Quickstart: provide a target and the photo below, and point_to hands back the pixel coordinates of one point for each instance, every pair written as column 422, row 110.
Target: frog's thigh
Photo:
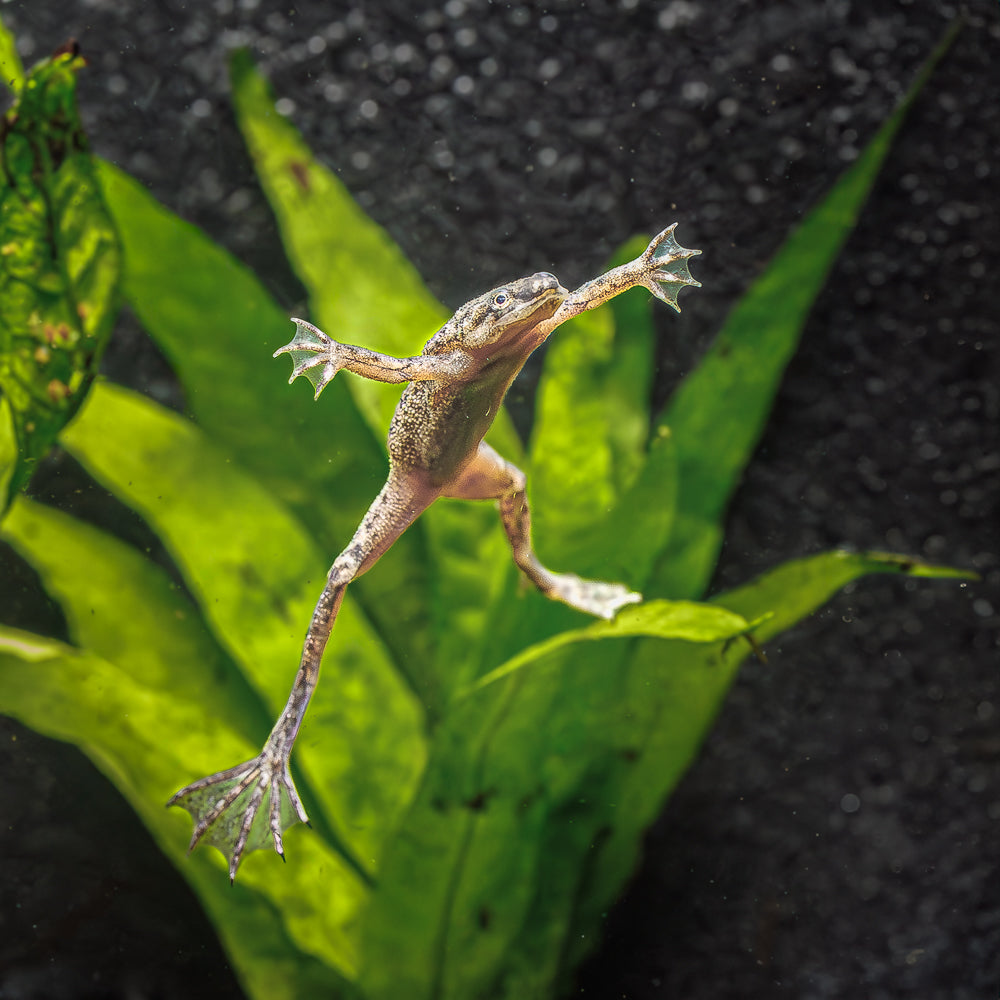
column 490, row 477
column 487, row 477
column 402, row 500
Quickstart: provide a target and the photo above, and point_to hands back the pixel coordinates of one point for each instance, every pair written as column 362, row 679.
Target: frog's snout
column 543, row 281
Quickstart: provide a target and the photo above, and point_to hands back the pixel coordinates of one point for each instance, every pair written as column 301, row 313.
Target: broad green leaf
column 11, row 70
column 464, row 867
column 218, row 327
column 685, row 620
column 256, row 576
column 511, row 792
column 625, row 544
column 124, row 608
column 121, row 605
column 362, row 288
column 59, row 265
column 718, row 412
column 285, row 940
column 519, row 786
column 470, row 577
column 622, row 548
column 537, row 792
column 682, row 689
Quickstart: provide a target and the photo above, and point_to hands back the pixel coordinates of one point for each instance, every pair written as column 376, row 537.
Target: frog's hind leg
column 249, row 806
column 490, row 477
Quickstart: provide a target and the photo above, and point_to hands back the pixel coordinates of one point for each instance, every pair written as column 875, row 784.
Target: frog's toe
column 243, row 809
column 319, row 370
column 308, row 339
column 666, row 284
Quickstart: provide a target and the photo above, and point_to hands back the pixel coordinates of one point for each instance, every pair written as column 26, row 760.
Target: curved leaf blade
column 682, row 620
column 125, row 609
column 284, row 939
column 718, row 412
column 797, row 588
column 682, row 688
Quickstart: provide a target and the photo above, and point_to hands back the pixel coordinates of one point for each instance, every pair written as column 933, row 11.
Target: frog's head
column 506, row 316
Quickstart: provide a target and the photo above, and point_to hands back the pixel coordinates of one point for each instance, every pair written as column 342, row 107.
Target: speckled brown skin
column 436, row 448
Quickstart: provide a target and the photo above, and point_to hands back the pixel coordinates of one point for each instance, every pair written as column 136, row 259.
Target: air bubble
column 694, row 91
column 548, row 157
column 549, row 69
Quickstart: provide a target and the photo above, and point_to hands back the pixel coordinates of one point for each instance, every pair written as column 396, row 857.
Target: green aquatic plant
column 479, row 764
column 59, row 265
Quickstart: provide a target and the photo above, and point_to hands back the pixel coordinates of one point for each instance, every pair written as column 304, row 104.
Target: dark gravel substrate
column 838, row 836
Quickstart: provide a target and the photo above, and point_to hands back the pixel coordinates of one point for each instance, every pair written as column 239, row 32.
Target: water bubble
column 850, row 803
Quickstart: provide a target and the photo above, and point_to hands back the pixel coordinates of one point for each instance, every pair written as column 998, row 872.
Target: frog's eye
column 501, row 298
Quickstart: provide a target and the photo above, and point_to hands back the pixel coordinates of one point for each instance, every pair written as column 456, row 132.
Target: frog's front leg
column 491, row 477
column 662, row 268
column 246, row 807
column 319, row 357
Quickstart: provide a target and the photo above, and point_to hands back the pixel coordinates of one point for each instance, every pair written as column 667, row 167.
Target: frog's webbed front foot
column 664, row 267
column 314, row 354
column 244, row 808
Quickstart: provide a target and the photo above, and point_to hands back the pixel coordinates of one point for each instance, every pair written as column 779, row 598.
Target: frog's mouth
column 540, row 306
column 550, row 295
column 543, row 297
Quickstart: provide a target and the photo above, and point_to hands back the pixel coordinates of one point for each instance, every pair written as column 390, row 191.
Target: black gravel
column 838, row 836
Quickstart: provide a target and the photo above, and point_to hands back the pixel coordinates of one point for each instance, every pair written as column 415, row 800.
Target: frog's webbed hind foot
column 243, row 809
column 595, row 597
column 314, row 355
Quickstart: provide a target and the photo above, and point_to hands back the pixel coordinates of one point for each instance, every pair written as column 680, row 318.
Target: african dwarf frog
column 436, row 449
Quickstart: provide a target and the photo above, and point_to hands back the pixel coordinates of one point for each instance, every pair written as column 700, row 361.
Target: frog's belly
column 438, row 429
